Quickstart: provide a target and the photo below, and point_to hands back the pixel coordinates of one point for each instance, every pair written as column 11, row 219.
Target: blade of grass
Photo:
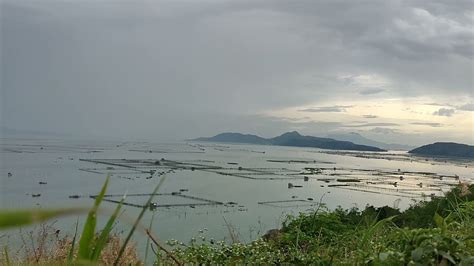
column 162, row 248
column 157, row 255
column 231, row 231
column 16, row 218
column 87, row 237
column 104, row 235
column 70, row 255
column 137, row 221
column 148, row 239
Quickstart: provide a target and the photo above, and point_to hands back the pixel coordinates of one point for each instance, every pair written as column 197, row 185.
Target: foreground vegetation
column 436, row 232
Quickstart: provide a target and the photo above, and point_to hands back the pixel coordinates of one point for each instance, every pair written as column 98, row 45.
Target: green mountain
column 445, row 149
column 293, row 139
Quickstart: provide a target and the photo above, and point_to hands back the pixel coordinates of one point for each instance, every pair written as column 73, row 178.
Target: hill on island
column 293, row 139
column 445, row 149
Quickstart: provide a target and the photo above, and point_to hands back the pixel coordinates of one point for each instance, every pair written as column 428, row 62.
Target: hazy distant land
column 293, row 139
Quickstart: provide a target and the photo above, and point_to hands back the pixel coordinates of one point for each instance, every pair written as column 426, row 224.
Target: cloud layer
column 163, row 69
column 444, row 112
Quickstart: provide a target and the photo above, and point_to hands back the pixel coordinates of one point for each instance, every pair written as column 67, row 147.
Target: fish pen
column 293, row 203
column 394, row 182
column 189, row 201
column 208, row 166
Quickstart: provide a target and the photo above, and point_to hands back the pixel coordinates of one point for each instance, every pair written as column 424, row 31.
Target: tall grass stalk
column 148, row 239
column 168, row 253
column 137, row 221
column 87, row 238
column 101, row 242
column 70, row 255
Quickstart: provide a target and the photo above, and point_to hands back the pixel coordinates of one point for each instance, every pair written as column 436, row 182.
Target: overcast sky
column 394, row 71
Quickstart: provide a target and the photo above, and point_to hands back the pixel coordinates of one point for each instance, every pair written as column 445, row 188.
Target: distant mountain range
column 445, row 149
column 293, row 139
column 359, row 139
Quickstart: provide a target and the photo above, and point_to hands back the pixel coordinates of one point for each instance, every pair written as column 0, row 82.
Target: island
column 445, row 149
column 293, row 139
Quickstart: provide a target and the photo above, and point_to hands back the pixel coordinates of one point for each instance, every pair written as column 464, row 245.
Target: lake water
column 210, row 187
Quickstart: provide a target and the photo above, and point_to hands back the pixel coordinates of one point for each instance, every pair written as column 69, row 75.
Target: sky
column 393, row 71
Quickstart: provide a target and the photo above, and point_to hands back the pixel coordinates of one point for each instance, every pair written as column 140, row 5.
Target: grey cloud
column 369, row 116
column 464, row 107
column 327, row 109
column 467, row 107
column 426, row 124
column 444, row 112
column 371, row 91
column 422, row 31
column 439, row 104
column 74, row 66
column 374, row 125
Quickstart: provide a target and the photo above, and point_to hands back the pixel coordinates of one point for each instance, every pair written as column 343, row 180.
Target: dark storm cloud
column 327, row 109
column 155, row 68
column 444, row 112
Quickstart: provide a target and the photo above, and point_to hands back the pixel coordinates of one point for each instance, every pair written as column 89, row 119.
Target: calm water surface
column 211, row 172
